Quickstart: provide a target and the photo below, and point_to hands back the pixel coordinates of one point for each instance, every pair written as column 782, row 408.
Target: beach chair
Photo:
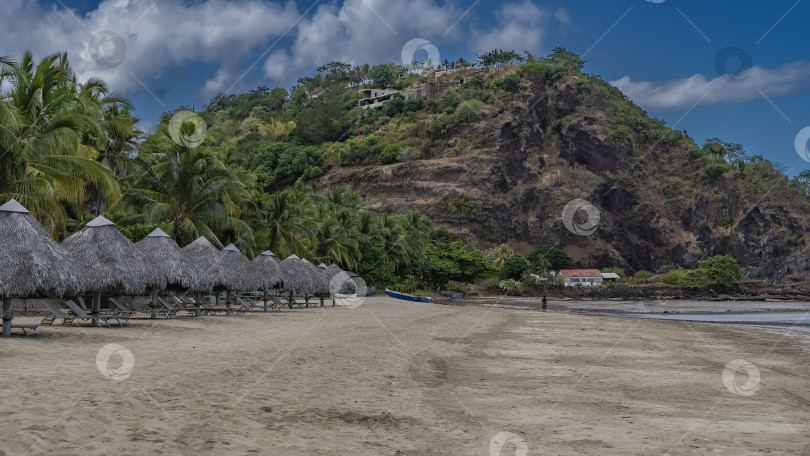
column 165, row 309
column 275, row 304
column 28, row 329
column 251, row 304
column 209, row 309
column 121, row 308
column 183, row 305
column 55, row 312
column 103, row 317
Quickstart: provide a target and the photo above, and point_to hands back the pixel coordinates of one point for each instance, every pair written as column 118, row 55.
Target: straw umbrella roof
column 207, row 261
column 267, row 270
column 110, row 259
column 298, row 276
column 238, row 271
column 31, row 260
column 340, row 281
column 160, row 249
column 321, row 285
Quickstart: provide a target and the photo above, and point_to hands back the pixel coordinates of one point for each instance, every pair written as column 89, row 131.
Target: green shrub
column 510, row 287
column 403, row 288
column 642, row 276
column 724, row 269
column 546, row 257
column 711, row 172
column 509, row 83
column 390, row 154
column 314, row 172
column 515, row 266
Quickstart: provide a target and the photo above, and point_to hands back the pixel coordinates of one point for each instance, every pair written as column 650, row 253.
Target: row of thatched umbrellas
column 100, row 258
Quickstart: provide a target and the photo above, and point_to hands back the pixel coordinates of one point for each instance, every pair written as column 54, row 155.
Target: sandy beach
column 398, row 378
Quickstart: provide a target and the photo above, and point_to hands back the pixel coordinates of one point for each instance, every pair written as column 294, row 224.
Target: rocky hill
column 499, row 165
column 559, row 144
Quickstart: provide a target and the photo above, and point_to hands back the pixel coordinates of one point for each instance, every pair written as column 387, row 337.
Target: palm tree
column 287, row 222
column 49, row 140
column 189, row 187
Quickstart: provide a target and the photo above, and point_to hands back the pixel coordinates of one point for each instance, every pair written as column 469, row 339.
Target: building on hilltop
column 375, row 98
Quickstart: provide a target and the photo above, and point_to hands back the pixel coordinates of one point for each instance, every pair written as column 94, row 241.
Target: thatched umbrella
column 340, row 281
column 170, row 262
column 319, row 282
column 111, row 261
column 238, row 272
column 267, row 270
column 31, row 260
column 298, row 276
column 208, row 265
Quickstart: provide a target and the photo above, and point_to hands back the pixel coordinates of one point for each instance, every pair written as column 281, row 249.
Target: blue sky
column 663, row 54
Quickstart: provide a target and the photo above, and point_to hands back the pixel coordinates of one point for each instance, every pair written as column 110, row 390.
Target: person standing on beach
column 544, row 303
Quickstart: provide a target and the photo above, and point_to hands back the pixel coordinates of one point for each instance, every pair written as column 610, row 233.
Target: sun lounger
column 28, row 329
column 103, row 317
column 164, row 309
column 121, row 308
column 55, row 312
column 182, row 305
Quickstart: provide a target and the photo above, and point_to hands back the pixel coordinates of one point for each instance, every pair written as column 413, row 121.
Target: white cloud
column 169, row 35
column 698, row 89
column 363, row 31
column 159, row 36
column 520, row 27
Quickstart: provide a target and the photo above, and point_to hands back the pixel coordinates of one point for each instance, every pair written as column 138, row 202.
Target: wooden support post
column 321, row 301
column 8, row 314
column 154, row 303
column 197, row 299
column 228, row 301
column 265, row 299
column 306, row 301
column 96, row 307
column 291, row 300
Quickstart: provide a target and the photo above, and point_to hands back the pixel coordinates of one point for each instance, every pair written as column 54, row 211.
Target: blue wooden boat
column 405, row 296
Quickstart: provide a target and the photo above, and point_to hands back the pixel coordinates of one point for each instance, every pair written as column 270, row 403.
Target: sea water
column 784, row 320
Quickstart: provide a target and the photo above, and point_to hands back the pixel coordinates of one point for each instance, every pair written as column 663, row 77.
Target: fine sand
column 398, row 378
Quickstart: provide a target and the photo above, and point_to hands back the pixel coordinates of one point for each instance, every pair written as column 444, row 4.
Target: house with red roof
column 582, row 277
